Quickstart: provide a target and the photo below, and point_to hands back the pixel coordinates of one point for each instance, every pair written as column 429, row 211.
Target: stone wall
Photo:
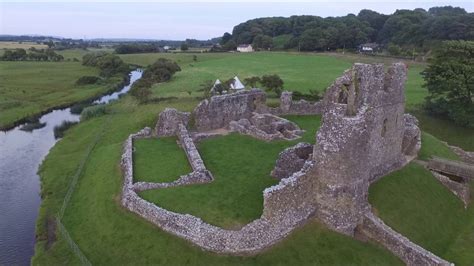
column 219, row 111
column 168, row 122
column 250, row 239
column 301, row 107
column 410, row 253
column 461, row 190
column 463, row 170
column 266, row 127
column 291, row 160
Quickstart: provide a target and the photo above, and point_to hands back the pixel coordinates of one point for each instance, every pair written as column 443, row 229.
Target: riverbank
column 22, row 153
column 32, row 89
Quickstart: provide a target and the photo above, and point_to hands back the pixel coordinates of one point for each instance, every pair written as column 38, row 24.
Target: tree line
column 33, row 54
column 405, row 29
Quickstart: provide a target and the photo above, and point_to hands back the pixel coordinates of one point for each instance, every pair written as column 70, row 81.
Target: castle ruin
column 364, row 135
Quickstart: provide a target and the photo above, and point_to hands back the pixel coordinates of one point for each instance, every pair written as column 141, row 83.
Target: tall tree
column 450, row 82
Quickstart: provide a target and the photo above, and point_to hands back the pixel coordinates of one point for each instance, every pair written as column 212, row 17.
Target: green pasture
column 29, row 88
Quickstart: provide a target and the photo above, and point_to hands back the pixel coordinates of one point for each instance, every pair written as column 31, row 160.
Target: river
column 21, row 153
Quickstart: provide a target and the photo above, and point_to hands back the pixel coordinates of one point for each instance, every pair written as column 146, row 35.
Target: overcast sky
column 171, row 20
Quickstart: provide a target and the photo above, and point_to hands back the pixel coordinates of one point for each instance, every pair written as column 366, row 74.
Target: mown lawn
column 29, row 88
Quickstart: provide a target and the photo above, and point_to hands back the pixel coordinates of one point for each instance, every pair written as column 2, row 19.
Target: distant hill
column 404, row 29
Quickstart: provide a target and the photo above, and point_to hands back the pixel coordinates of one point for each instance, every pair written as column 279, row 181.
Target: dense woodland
column 400, row 32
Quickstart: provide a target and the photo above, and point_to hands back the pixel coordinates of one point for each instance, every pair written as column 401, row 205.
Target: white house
column 237, row 85
column 245, row 48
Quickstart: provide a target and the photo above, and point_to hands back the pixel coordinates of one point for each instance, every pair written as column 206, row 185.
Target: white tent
column 237, row 85
column 215, row 83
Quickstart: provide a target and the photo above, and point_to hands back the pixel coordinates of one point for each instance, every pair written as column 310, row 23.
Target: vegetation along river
column 21, row 153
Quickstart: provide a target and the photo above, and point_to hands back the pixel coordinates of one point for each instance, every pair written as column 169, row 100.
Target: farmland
column 31, row 88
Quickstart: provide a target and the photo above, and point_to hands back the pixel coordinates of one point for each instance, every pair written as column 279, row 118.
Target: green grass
column 300, row 71
column 159, row 160
column 447, row 131
column 415, row 204
column 431, row 146
column 29, row 88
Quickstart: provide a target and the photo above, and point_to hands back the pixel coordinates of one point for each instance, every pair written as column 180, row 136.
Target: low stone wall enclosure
column 364, row 136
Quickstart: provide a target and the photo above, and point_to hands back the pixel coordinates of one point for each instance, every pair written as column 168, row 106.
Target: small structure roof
column 237, row 85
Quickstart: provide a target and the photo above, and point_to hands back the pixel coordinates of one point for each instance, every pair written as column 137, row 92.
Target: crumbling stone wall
column 460, row 189
column 301, row 107
column 219, row 111
column 410, row 253
column 462, row 170
column 291, row 160
column 266, row 127
column 411, row 143
column 169, row 120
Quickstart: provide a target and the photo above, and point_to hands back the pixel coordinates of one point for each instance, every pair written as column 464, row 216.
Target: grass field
column 23, row 45
column 300, row 72
column 107, row 234
column 29, row 88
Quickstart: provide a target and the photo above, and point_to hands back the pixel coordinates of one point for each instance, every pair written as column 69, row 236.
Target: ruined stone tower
column 359, row 141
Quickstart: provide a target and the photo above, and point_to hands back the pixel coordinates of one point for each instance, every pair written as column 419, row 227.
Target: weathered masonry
column 364, row 136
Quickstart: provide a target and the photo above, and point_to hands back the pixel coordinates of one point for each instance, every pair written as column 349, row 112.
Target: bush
column 86, row 80
column 93, row 111
column 312, row 96
column 78, row 107
column 61, row 129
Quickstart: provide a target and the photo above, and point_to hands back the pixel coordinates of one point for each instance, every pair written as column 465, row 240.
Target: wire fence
column 71, row 187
